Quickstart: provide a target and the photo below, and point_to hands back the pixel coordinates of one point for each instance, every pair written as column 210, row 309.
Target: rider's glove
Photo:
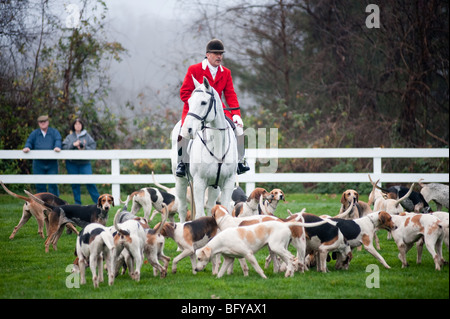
column 238, row 120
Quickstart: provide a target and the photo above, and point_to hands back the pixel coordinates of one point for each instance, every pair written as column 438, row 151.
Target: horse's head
column 202, row 108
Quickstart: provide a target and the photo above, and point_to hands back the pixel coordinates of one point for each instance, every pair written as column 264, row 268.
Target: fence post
column 377, row 168
column 115, row 171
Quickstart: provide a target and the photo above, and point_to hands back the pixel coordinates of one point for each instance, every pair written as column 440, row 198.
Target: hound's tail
column 117, row 225
column 263, row 205
column 14, row 194
column 167, row 189
column 344, row 214
column 398, row 201
column 372, row 193
column 376, row 185
column 302, row 223
column 165, row 214
column 107, row 239
column 125, row 203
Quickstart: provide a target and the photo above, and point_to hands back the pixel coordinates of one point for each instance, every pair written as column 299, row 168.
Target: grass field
column 26, row 271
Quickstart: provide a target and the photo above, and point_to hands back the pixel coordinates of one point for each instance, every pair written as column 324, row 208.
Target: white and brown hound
column 360, row 231
column 413, row 227
column 245, row 241
column 149, row 197
column 443, row 216
column 95, row 243
column 190, row 236
column 154, row 246
column 251, row 205
column 381, row 203
column 129, row 235
column 269, row 205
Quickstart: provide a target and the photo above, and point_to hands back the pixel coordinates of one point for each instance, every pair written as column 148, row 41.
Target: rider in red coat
column 220, row 79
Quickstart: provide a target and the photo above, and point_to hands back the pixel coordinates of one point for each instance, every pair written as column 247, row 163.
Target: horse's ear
column 206, row 83
column 196, row 83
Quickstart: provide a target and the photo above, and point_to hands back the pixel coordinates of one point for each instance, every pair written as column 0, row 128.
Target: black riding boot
column 242, row 164
column 183, row 157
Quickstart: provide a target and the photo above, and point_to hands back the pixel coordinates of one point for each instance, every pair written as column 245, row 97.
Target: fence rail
column 264, row 156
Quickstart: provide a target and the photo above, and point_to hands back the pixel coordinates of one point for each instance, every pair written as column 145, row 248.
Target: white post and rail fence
column 266, row 173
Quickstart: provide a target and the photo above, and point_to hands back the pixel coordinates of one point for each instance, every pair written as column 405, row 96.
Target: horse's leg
column 213, row 194
column 226, row 192
column 199, row 197
column 180, row 189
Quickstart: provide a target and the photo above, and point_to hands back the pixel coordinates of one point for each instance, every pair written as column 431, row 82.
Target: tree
column 325, row 79
column 56, row 70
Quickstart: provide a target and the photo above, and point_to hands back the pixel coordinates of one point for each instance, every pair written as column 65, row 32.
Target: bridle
column 212, row 104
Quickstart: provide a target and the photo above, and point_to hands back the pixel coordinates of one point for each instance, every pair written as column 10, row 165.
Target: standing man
column 44, row 138
column 220, row 79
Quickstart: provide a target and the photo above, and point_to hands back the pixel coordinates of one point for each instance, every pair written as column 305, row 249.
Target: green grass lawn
column 26, row 271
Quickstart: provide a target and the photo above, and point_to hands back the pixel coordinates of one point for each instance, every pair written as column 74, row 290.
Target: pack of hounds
column 252, row 225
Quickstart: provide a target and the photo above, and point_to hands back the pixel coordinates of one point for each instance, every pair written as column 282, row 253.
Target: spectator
column 44, row 138
column 79, row 139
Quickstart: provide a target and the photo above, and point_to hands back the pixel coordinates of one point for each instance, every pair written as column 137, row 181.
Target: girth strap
column 219, row 167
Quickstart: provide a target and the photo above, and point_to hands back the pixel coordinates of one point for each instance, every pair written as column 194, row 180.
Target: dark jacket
column 37, row 141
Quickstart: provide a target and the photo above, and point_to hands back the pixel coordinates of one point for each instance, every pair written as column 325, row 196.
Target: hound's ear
column 206, row 83
column 99, row 201
column 207, row 253
column 343, row 199
column 196, row 83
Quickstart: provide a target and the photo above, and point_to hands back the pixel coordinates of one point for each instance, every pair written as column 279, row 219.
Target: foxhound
column 149, row 197
column 80, row 215
column 94, row 243
column 251, row 205
column 443, row 216
column 323, row 239
column 154, row 246
column 190, row 236
column 351, row 198
column 129, row 235
column 380, row 203
column 436, row 192
column 414, row 202
column 269, row 205
column 412, row 227
column 245, row 241
column 360, row 231
column 224, row 221
column 32, row 208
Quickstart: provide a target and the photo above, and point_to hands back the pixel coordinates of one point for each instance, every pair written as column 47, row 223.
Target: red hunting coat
column 222, row 84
